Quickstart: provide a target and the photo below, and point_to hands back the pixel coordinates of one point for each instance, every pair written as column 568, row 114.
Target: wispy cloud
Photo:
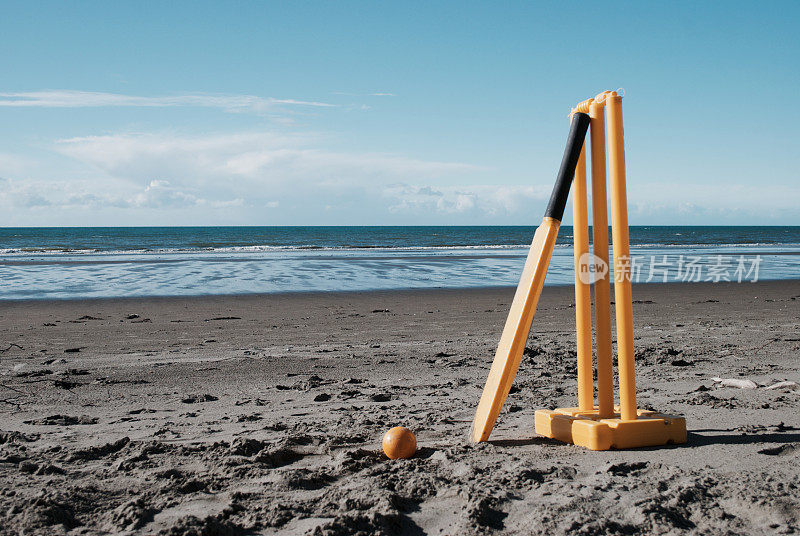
column 480, row 199
column 93, row 99
column 276, row 177
column 239, row 176
column 94, row 195
column 11, row 164
column 161, row 194
column 696, row 204
column 373, row 94
column 262, row 158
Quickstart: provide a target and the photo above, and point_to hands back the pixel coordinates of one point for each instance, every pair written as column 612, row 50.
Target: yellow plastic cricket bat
column 520, row 316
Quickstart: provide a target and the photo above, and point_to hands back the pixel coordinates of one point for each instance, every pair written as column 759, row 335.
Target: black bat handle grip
column 577, row 133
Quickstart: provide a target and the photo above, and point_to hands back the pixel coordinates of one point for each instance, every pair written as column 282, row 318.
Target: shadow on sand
column 782, row 442
column 696, row 439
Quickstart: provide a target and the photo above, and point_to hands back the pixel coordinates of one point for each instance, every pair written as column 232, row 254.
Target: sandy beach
column 264, row 414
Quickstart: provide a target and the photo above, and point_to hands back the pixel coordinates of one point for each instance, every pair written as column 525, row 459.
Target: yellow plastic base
column 587, row 429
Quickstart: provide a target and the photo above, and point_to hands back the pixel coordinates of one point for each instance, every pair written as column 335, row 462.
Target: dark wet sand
column 263, row 415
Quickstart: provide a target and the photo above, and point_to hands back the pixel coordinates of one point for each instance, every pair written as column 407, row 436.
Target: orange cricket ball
column 399, row 442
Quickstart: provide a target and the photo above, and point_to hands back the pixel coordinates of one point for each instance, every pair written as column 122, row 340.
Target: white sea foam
column 30, row 251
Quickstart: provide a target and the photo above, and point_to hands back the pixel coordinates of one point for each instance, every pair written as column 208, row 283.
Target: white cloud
column 93, row 99
column 143, row 156
column 320, row 163
column 29, row 194
column 245, row 159
column 11, row 165
column 691, row 204
column 245, row 175
column 482, row 199
column 88, row 194
column 159, row 194
column 374, row 94
column 268, row 177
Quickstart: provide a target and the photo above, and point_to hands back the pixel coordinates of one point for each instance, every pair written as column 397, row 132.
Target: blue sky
column 259, row 113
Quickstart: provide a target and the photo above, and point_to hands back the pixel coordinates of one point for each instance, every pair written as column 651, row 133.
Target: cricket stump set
column 600, row 426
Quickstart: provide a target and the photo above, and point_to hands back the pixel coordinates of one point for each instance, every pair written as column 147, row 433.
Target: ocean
column 105, row 262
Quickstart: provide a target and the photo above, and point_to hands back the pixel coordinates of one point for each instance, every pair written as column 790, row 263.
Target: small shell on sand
column 733, row 382
column 785, row 385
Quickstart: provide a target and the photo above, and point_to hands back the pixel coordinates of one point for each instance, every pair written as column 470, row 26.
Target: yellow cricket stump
column 605, row 426
column 602, row 288
column 583, row 289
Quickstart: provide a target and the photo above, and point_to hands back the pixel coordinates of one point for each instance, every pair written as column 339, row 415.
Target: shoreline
column 701, row 285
